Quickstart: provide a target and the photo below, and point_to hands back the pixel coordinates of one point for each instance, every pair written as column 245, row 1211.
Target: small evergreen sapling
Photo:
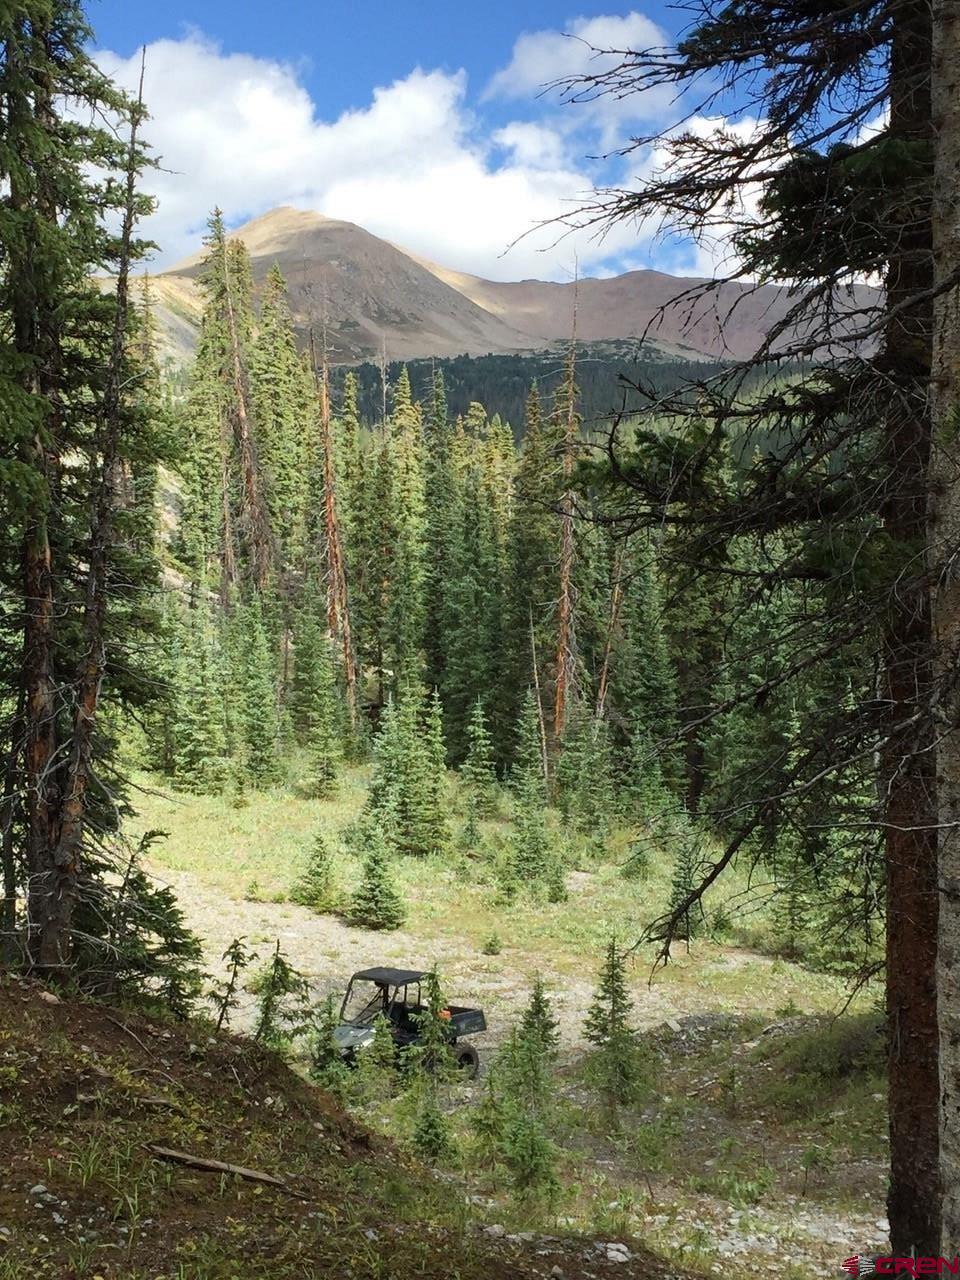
column 316, row 887
column 430, row 1065
column 223, row 996
column 327, row 1066
column 618, row 1068
column 684, row 880
column 488, row 1122
column 526, row 1148
column 325, row 724
column 376, row 904
column 538, row 1022
column 377, row 1063
column 282, row 1002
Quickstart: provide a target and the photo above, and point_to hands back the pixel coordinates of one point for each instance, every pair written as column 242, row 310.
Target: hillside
column 85, row 1092
column 374, row 297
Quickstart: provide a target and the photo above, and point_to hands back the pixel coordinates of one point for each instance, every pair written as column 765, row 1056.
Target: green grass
column 256, row 848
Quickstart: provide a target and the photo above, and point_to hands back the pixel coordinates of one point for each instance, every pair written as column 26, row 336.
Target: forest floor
column 763, row 1143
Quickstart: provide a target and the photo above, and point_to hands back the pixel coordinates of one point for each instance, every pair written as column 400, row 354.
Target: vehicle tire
column 468, row 1061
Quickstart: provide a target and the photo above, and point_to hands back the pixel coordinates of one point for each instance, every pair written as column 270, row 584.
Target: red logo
column 860, row 1266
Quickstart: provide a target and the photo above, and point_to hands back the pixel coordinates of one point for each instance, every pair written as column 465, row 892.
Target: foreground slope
column 85, row 1091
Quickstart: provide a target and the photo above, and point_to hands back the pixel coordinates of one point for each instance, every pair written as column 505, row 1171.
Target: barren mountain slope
column 369, row 292
column 375, row 295
column 730, row 322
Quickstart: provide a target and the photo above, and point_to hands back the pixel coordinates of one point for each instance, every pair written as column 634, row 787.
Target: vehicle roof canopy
column 391, row 977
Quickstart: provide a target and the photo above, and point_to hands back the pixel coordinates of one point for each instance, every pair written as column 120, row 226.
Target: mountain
column 374, row 297
column 366, row 292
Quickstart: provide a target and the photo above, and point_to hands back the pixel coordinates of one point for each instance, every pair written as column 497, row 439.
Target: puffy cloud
column 542, row 57
column 532, row 144
column 413, row 165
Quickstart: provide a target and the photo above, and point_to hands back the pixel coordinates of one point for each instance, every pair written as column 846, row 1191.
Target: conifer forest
column 571, row 663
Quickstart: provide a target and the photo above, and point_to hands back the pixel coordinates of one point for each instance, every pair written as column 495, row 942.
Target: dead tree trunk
column 565, row 621
column 338, row 603
column 259, row 520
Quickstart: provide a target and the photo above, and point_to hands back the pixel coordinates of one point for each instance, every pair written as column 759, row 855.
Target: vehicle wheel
column 468, row 1061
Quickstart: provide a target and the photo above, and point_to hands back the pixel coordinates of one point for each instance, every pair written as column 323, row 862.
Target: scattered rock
column 48, row 997
column 38, row 1190
column 495, row 1230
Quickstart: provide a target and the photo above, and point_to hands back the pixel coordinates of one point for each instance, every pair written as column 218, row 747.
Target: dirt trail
column 328, row 951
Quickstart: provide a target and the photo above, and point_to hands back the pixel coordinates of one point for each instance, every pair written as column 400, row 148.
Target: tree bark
column 945, row 547
column 260, row 531
column 907, row 758
column 565, row 620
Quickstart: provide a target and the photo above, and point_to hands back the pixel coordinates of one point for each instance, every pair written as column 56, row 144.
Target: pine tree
column 325, row 723
column 375, row 1074
column 376, row 904
column 326, row 1064
column 643, row 681
column 685, row 877
column 283, row 411
column 538, row 1022
column 255, row 676
column 488, row 1121
column 527, row 770
column 430, row 1059
column 316, row 888
column 79, row 594
column 531, row 851
column 433, row 827
column 618, row 1068
column 611, row 1006
column 527, row 1095
column 410, row 774
column 200, row 759
column 478, row 771
column 404, row 620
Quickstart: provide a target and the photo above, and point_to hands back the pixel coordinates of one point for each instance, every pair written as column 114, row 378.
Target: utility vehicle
column 395, row 994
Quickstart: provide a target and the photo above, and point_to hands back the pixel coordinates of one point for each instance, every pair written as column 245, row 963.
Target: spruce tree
column 284, row 416
column 477, row 771
column 200, row 759
column 316, row 888
column 324, row 724
column 376, row 904
column 527, row 770
column 255, row 680
column 538, row 1022
column 618, row 1068
column 282, row 1002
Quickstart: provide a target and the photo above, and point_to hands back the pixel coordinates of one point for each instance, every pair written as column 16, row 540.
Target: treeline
column 503, row 383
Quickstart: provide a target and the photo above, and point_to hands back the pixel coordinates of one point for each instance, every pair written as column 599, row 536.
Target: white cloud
column 532, row 144
column 412, row 165
column 542, row 57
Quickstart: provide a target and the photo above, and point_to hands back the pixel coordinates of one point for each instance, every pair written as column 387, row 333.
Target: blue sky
column 423, row 122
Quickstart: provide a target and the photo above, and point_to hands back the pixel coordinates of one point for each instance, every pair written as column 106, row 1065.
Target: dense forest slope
column 371, row 297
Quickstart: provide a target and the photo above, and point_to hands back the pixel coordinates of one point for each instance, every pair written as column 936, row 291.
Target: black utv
column 395, row 994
